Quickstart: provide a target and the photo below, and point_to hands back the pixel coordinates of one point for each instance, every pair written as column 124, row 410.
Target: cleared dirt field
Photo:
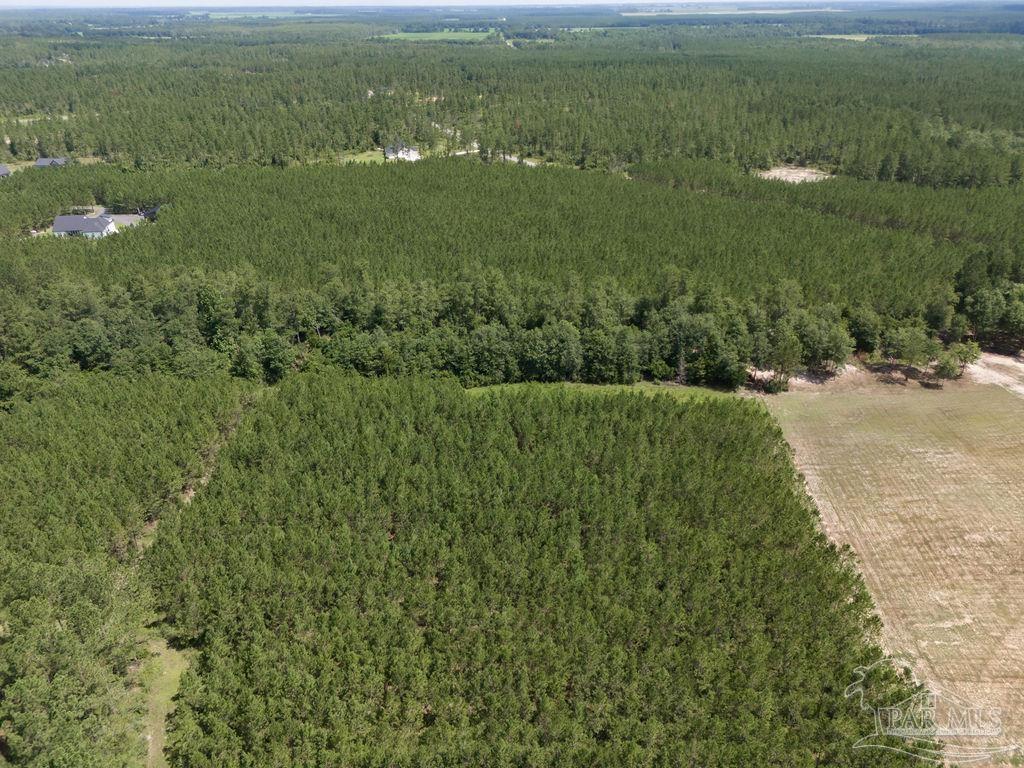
column 927, row 487
column 794, row 174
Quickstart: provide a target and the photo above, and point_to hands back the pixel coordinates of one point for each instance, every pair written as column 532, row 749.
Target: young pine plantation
column 399, row 572
column 318, row 464
column 83, row 474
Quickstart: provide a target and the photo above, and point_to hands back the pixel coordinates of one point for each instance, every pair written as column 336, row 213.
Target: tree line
column 477, row 329
column 918, row 110
column 603, row 279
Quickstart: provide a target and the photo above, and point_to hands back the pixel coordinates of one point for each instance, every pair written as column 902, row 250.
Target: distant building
column 4, row 171
column 401, row 151
column 51, row 162
column 84, row 226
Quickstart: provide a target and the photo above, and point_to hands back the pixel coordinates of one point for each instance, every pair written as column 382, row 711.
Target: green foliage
column 921, row 110
column 302, row 227
column 988, row 277
column 947, row 367
column 70, row 637
column 986, row 309
column 824, row 341
column 82, row 470
column 670, row 289
column 952, row 361
column 396, row 572
column 784, row 351
column 911, row 345
column 509, row 275
column 552, row 352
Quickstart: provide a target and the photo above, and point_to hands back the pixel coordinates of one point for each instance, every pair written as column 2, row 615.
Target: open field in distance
column 458, row 35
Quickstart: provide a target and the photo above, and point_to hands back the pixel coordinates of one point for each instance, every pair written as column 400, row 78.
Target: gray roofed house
column 401, row 151
column 85, row 226
column 51, row 162
column 4, row 171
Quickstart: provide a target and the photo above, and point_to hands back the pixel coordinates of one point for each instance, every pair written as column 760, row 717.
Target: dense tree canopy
column 397, row 572
column 490, row 273
column 937, row 112
column 301, row 226
column 82, row 469
column 987, row 227
column 386, row 569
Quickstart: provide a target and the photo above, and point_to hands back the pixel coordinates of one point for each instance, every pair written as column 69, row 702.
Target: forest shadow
column 901, row 375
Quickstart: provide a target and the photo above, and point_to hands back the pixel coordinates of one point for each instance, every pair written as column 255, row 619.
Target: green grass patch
column 163, row 673
column 366, row 157
column 454, row 35
column 676, row 391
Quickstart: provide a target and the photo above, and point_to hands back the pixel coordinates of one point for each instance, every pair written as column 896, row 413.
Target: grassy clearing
column 163, row 678
column 927, row 487
column 676, row 391
column 456, row 35
column 369, row 156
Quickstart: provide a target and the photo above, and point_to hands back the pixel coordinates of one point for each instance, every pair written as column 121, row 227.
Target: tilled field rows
column 927, row 487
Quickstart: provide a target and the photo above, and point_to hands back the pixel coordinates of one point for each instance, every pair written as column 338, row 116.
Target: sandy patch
column 853, row 378
column 846, row 378
column 794, row 174
column 1001, row 370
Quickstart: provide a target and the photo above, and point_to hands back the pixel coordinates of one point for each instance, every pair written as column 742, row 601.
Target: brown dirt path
column 163, row 670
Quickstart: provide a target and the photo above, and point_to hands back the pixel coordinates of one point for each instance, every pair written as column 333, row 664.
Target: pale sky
column 164, row 4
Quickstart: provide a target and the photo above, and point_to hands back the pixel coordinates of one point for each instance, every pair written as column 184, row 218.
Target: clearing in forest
column 163, row 677
column 794, row 174
column 369, row 156
column 444, row 35
column 927, row 487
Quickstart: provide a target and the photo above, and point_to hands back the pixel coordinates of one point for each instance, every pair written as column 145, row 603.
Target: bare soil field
column 927, row 488
column 794, row 174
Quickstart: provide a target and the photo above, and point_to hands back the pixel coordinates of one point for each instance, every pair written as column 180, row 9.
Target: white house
column 4, row 171
column 401, row 151
column 84, row 226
